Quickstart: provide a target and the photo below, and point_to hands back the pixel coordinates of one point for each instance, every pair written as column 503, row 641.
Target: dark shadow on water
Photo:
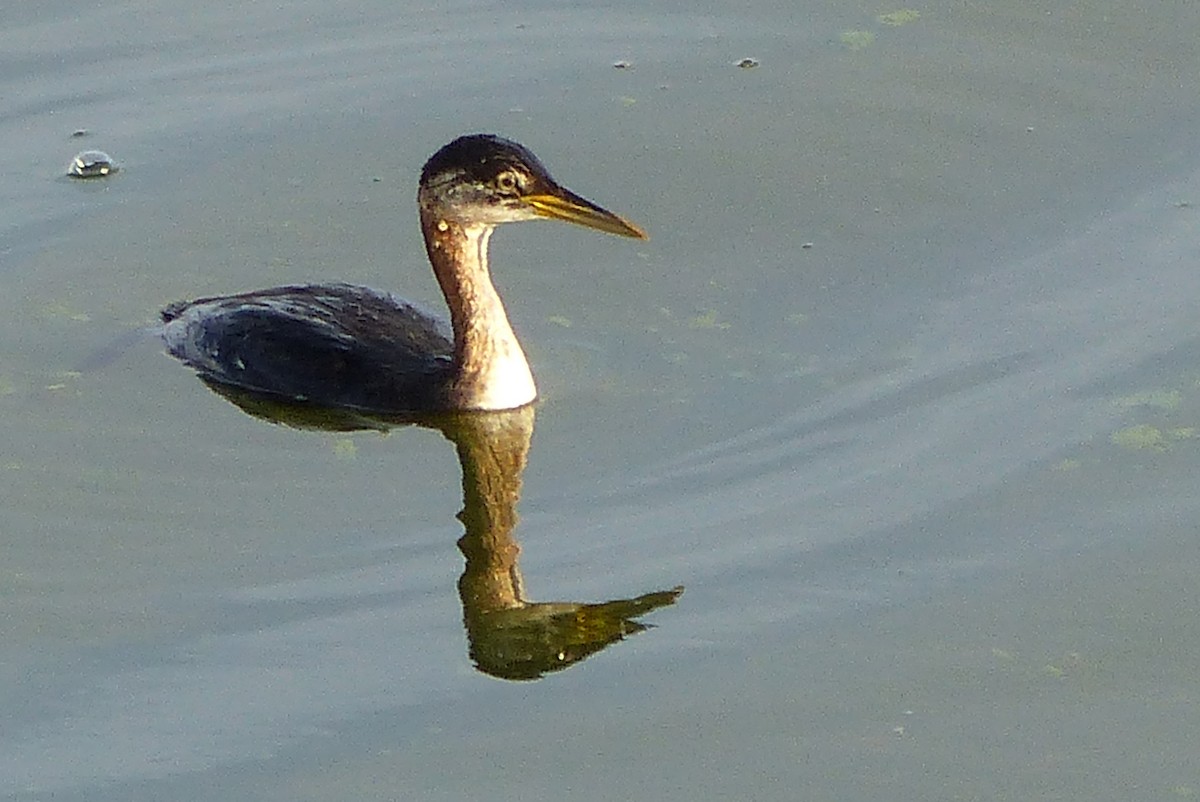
column 510, row 637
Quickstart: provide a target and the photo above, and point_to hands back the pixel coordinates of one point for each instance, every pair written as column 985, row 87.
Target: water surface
column 902, row 389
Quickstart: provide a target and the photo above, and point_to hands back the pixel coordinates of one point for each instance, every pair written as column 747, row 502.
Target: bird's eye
column 507, row 182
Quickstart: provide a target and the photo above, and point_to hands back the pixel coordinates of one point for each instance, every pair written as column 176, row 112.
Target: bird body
column 339, row 345
column 334, row 345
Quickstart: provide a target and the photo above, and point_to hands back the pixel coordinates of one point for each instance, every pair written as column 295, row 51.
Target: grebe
column 339, row 345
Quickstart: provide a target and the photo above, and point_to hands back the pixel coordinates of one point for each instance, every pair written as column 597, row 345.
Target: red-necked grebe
column 338, row 345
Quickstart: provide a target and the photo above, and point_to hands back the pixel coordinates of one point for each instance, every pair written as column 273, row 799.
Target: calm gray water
column 904, row 390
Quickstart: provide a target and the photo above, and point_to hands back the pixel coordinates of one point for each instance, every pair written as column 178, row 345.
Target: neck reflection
column 509, row 636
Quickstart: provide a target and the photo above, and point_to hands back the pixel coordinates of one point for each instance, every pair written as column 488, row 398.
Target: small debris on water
column 857, row 40
column 91, row 164
column 897, row 18
column 746, row 63
column 345, row 449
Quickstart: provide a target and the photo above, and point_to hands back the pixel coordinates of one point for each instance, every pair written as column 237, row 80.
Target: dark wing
column 329, row 345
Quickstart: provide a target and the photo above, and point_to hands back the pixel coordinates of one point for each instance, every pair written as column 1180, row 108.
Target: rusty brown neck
column 491, row 369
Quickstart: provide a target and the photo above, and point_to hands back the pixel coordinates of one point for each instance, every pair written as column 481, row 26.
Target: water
column 927, row 481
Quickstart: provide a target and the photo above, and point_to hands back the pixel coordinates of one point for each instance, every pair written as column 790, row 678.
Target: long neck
column 491, row 369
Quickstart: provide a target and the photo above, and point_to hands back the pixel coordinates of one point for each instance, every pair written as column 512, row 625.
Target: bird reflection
column 509, row 636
